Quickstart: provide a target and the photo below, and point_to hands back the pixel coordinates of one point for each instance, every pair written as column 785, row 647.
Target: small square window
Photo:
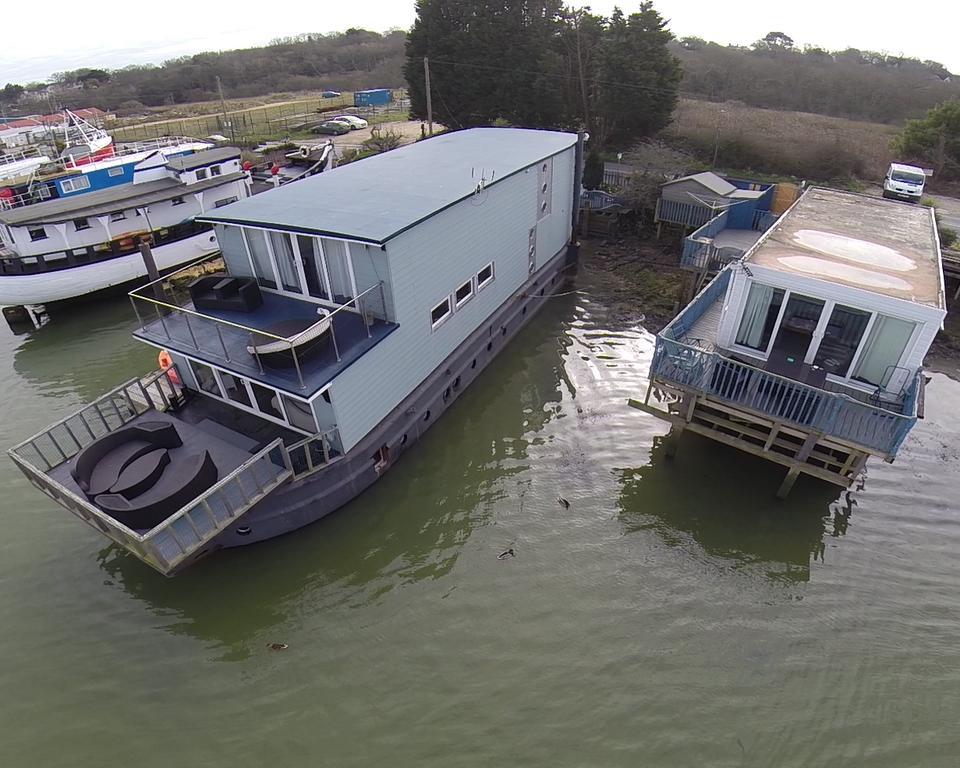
column 463, row 294
column 177, row 201
column 201, row 174
column 440, row 312
column 485, row 276
column 225, row 201
column 37, row 234
column 118, row 216
column 81, row 224
column 214, row 170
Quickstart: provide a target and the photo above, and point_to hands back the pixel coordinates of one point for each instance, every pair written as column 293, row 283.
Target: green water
column 674, row 615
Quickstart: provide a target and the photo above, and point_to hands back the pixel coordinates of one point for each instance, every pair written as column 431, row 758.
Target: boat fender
column 304, row 151
column 166, row 364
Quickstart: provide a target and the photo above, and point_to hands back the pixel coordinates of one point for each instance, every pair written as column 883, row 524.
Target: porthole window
column 403, row 440
column 243, row 530
column 524, row 310
column 446, row 394
column 503, row 331
column 473, row 364
column 456, row 383
column 489, row 345
column 426, row 416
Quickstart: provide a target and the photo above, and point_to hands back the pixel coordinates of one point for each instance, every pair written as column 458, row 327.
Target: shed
column 376, row 97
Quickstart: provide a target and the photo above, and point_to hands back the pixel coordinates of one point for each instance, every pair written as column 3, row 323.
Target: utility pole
column 426, row 77
column 223, row 108
column 716, row 138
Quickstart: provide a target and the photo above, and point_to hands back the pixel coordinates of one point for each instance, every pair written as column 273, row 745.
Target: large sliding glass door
column 797, row 326
column 879, row 362
column 841, row 339
column 313, row 267
column 286, row 262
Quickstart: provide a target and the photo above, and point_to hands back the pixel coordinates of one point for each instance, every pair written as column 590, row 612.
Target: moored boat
column 351, row 311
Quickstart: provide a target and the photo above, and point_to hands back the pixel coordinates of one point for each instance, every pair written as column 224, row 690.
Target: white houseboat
column 808, row 350
column 77, row 244
column 354, row 308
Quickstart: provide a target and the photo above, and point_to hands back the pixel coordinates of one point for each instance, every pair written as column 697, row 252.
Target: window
column 225, row 201
column 117, row 171
column 37, row 234
column 841, row 338
column 118, row 216
column 234, row 389
column 75, row 184
column 266, row 400
column 440, row 312
column 881, row 354
column 286, row 262
column 463, row 294
column 214, row 170
column 299, row 414
column 759, row 316
column 262, row 266
column 81, row 224
column 485, row 276
column 201, row 174
column 205, row 378
column 176, row 201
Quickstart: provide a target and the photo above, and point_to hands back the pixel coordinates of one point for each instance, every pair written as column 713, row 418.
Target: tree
column 774, row 41
column 935, row 139
column 11, row 93
column 533, row 63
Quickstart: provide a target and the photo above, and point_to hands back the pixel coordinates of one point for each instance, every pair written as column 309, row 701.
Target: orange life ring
column 166, row 364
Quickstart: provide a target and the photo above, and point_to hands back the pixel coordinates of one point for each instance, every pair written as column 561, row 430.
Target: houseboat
column 351, row 310
column 76, row 244
column 808, row 349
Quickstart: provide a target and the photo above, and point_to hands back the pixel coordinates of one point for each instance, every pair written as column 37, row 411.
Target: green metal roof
column 375, row 199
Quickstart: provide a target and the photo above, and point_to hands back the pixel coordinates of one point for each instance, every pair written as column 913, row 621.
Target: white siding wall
column 427, row 263
column 928, row 318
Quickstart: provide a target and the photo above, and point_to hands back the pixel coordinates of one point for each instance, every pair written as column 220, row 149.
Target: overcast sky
column 116, row 33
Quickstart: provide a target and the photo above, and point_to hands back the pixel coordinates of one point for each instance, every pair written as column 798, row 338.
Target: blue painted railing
column 698, row 247
column 834, row 414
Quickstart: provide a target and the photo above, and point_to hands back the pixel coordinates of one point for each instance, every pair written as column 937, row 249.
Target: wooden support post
column 672, row 442
column 788, row 481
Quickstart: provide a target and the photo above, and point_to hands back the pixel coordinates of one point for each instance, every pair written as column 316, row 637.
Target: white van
column 904, row 182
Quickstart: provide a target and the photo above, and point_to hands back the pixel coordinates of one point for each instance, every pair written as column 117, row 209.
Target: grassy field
column 767, row 141
column 246, row 121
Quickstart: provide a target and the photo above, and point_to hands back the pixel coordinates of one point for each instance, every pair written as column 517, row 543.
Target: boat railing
column 207, row 334
column 135, row 147
column 315, row 452
column 872, row 426
column 18, row 155
column 181, row 535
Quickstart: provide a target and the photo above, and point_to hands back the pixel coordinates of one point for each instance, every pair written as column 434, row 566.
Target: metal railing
column 212, row 335
column 835, row 414
column 167, row 545
column 688, row 214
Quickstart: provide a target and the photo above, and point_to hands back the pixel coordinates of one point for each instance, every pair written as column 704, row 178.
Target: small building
column 377, row 97
column 809, row 350
column 691, row 201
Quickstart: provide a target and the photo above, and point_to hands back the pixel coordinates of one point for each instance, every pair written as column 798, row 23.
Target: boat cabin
column 814, row 341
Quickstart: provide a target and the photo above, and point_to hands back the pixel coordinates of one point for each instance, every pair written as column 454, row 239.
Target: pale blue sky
column 114, row 35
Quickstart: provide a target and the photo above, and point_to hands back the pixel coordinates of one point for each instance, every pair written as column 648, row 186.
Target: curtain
column 755, row 315
column 234, row 252
column 885, row 345
column 335, row 252
column 261, row 257
column 286, row 262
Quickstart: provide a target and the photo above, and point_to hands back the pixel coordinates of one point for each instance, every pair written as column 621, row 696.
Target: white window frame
column 118, row 216
column 177, row 201
column 493, row 276
column 115, row 171
column 458, row 303
column 198, row 172
column 86, row 224
column 215, row 170
column 225, row 201
column 448, row 300
column 43, row 236
column 75, row 184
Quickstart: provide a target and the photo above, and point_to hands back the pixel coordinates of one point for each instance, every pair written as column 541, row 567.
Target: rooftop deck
column 225, row 337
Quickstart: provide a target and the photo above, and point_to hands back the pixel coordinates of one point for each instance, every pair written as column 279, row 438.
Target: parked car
column 352, row 120
column 332, row 127
column 330, row 95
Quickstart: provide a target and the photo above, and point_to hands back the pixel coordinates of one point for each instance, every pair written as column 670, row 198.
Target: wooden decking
column 703, row 332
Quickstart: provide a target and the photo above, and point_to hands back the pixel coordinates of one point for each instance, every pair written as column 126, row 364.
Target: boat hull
column 63, row 284
column 311, row 498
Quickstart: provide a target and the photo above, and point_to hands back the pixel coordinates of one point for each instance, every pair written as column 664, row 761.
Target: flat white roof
column 876, row 245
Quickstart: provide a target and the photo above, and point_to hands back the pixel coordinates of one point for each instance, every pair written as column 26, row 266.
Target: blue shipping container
column 373, row 98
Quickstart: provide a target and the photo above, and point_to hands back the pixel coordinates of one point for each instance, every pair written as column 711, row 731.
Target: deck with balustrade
column 826, row 432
